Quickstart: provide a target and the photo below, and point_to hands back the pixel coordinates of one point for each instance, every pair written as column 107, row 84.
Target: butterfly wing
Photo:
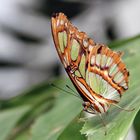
column 96, row 71
column 74, row 56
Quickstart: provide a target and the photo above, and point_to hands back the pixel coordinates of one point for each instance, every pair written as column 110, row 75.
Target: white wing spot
column 90, row 48
column 85, row 43
column 66, row 24
column 62, row 22
column 57, row 22
column 92, row 60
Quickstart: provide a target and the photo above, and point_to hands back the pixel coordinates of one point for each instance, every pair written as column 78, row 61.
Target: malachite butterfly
column 97, row 72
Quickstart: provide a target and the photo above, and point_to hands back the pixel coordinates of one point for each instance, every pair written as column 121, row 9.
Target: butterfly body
column 98, row 73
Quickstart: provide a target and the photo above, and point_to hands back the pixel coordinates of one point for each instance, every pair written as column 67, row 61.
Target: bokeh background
column 27, row 53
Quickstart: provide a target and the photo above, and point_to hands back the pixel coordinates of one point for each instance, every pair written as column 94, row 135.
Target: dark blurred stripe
column 7, row 64
column 71, row 9
column 22, row 36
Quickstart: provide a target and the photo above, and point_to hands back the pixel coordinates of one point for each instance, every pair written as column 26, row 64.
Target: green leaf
column 117, row 121
column 40, row 99
column 32, row 97
column 136, row 125
column 50, row 125
column 72, row 132
column 9, row 118
column 24, row 135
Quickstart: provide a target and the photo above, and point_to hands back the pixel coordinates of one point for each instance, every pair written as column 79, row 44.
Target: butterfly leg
column 125, row 109
column 90, row 112
column 86, row 106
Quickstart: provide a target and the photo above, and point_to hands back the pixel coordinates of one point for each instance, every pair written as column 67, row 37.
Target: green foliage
column 9, row 118
column 50, row 125
column 46, row 113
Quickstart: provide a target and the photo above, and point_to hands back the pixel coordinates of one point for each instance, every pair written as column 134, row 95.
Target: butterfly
column 97, row 72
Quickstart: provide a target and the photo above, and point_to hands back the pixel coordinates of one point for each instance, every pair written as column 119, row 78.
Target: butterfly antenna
column 73, row 91
column 53, row 85
column 125, row 109
column 103, row 122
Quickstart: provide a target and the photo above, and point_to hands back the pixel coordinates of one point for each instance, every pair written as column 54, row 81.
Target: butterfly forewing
column 74, row 55
column 97, row 72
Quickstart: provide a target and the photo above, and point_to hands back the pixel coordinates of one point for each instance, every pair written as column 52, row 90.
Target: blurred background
column 27, row 53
